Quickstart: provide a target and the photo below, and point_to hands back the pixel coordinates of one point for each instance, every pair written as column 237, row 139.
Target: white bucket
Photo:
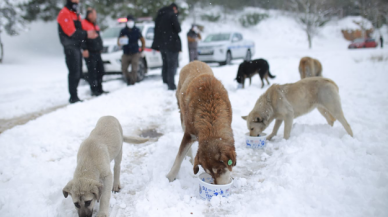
column 255, row 141
column 208, row 190
column 123, row 41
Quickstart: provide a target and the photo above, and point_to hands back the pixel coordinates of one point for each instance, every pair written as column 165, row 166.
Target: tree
column 311, row 14
column 121, row 8
column 45, row 10
column 10, row 22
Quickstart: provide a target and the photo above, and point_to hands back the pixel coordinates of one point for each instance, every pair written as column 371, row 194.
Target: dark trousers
column 74, row 64
column 95, row 71
column 170, row 65
column 193, row 53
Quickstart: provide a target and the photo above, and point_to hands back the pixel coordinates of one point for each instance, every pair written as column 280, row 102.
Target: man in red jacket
column 92, row 49
column 71, row 36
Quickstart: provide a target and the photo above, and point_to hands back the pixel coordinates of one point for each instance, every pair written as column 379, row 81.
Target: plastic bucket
column 255, row 141
column 123, row 41
column 208, row 190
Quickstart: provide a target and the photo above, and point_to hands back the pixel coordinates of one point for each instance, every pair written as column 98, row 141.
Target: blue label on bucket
column 207, row 193
column 257, row 143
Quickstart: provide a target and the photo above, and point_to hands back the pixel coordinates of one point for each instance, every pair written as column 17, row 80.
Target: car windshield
column 113, row 32
column 217, row 37
column 358, row 40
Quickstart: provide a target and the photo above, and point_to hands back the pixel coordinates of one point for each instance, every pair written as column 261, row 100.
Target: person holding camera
column 128, row 38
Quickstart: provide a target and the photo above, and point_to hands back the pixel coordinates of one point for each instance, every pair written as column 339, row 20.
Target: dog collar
column 230, row 162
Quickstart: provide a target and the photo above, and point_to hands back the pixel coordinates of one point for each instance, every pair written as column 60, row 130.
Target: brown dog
column 206, row 117
column 309, row 67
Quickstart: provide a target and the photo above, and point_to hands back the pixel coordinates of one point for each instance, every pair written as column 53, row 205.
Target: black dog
column 248, row 69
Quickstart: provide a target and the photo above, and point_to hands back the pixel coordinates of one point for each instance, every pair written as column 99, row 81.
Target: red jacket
column 70, row 28
column 87, row 25
column 92, row 45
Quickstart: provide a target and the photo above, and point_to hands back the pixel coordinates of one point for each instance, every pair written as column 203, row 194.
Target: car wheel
column 141, row 70
column 248, row 56
column 228, row 58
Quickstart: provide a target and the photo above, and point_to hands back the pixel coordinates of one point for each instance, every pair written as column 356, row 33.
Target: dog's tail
column 271, row 76
column 134, row 140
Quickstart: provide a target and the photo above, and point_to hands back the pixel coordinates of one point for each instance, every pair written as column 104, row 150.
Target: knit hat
column 130, row 17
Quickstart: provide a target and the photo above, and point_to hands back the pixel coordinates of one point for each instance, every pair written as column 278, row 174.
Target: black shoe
column 96, row 93
column 104, row 92
column 74, row 100
column 172, row 88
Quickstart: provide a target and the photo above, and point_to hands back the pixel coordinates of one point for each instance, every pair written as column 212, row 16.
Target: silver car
column 222, row 48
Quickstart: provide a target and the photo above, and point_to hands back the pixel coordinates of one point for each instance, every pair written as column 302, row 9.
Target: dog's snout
column 85, row 213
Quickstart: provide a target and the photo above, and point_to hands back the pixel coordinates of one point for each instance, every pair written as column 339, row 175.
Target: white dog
column 93, row 180
column 289, row 101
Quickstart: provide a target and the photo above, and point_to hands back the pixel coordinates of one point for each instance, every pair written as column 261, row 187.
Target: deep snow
column 319, row 171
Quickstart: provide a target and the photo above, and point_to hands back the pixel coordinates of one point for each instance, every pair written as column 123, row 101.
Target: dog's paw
column 269, row 137
column 170, row 177
column 116, row 187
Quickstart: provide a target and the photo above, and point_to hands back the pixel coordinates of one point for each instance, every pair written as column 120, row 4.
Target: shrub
column 252, row 19
column 211, row 17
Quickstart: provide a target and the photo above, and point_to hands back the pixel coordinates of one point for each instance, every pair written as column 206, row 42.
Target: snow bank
column 39, row 39
column 354, row 22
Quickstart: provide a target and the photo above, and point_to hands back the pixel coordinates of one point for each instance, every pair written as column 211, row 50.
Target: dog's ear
column 66, row 190
column 244, row 117
column 196, row 163
column 229, row 158
column 97, row 190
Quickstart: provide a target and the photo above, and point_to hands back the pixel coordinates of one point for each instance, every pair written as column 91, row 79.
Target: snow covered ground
column 319, row 171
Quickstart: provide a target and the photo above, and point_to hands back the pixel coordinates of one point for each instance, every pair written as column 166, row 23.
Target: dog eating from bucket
column 207, row 188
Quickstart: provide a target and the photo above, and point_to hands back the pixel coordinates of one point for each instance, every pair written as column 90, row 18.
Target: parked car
column 363, row 43
column 111, row 54
column 224, row 47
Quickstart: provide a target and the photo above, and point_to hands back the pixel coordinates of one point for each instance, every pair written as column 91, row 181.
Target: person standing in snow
column 71, row 36
column 381, row 41
column 193, row 37
column 92, row 49
column 131, row 49
column 168, row 42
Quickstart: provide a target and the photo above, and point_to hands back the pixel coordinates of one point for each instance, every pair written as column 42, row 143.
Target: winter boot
column 74, row 99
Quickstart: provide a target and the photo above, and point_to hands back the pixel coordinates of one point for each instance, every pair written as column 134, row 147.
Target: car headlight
column 116, row 48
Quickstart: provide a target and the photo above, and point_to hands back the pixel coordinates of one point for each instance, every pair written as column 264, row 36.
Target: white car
column 224, row 47
column 111, row 54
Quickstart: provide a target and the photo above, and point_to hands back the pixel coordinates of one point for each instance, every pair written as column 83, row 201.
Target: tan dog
column 289, row 101
column 93, row 180
column 206, row 117
column 309, row 67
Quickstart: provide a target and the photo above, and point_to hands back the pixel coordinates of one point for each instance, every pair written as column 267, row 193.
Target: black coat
column 167, row 29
